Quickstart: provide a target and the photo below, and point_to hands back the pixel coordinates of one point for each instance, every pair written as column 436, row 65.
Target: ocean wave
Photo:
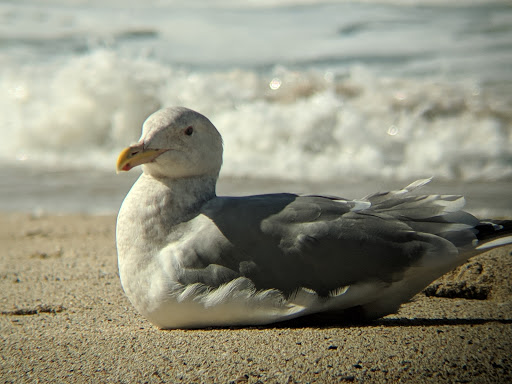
column 286, row 123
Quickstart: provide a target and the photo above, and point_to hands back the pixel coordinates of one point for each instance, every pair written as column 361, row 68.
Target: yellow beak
column 136, row 155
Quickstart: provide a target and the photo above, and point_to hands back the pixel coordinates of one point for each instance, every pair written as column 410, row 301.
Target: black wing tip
column 493, row 229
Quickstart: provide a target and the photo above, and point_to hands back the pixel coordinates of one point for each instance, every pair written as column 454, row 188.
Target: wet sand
column 64, row 318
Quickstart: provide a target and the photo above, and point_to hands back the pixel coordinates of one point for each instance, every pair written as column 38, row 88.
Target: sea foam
column 303, row 90
column 300, row 124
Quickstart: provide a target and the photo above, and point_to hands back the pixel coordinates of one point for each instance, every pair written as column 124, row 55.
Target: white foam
column 314, row 126
column 350, row 103
column 84, row 106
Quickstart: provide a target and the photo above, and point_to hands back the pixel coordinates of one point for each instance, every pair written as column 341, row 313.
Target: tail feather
column 479, row 237
column 493, row 233
column 490, row 229
column 443, row 216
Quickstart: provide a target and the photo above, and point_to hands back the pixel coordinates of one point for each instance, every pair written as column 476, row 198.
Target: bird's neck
column 179, row 199
column 154, row 206
column 150, row 218
column 187, row 195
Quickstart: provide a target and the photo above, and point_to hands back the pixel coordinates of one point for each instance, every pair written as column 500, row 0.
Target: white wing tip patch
column 339, row 291
column 360, row 205
column 417, row 184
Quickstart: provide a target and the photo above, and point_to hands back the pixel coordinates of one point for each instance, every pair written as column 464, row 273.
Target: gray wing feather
column 286, row 241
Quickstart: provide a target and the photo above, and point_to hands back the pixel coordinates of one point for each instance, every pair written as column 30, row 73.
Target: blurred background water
column 340, row 97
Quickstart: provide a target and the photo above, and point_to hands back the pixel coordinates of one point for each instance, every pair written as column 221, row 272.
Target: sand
column 64, row 318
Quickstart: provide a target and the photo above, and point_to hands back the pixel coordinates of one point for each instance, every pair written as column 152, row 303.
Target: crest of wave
column 308, row 124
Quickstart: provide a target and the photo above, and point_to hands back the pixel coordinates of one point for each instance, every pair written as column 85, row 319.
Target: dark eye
column 189, row 131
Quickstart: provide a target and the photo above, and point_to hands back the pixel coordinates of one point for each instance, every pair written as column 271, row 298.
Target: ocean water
column 350, row 97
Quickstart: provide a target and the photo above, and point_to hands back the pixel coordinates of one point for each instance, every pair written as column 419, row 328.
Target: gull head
column 175, row 143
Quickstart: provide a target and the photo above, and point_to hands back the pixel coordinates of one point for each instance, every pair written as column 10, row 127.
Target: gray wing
column 286, row 241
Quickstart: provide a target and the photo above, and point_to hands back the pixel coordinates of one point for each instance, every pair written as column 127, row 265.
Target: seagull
column 190, row 259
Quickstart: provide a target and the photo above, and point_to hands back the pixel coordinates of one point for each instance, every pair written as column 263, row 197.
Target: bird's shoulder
column 286, row 207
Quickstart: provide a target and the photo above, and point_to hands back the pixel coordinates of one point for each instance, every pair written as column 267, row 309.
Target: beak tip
column 123, row 168
column 122, row 161
column 135, row 155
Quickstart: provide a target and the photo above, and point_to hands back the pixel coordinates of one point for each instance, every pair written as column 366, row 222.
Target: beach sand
column 64, row 318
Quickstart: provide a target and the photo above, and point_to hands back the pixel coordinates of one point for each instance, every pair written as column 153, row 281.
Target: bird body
column 188, row 258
